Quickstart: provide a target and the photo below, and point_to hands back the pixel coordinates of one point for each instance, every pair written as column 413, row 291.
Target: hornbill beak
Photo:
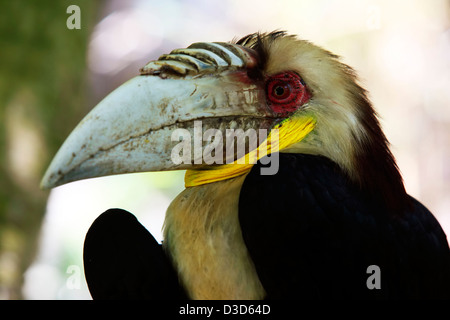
column 131, row 129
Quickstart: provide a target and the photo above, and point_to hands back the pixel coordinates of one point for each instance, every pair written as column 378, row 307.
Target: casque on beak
column 130, row 130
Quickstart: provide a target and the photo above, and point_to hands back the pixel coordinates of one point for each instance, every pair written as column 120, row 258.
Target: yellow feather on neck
column 284, row 134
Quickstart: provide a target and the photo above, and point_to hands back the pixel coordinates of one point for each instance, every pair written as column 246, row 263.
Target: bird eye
column 286, row 92
column 282, row 90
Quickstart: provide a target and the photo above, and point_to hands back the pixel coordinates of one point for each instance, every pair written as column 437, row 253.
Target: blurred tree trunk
column 43, row 86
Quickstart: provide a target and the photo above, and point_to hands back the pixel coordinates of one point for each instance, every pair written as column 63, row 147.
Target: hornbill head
column 263, row 81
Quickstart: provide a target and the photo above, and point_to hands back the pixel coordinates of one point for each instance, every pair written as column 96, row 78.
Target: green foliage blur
column 43, row 83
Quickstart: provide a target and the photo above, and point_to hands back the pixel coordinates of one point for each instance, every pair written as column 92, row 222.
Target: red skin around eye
column 286, row 92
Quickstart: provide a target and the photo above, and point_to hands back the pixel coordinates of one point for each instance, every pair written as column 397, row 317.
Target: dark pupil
column 279, row 91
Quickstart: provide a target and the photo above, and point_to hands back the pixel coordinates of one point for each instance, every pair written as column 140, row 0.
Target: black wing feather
column 122, row 260
column 312, row 234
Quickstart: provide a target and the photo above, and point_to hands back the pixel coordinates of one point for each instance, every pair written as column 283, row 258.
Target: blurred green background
column 51, row 76
column 43, row 93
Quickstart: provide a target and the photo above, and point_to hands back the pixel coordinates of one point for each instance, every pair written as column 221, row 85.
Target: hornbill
column 334, row 209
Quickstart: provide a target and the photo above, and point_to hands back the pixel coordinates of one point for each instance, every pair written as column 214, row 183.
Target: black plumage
column 311, row 222
column 122, row 260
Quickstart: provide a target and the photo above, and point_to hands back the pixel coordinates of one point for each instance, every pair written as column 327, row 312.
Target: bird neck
column 374, row 164
column 203, row 238
column 379, row 175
